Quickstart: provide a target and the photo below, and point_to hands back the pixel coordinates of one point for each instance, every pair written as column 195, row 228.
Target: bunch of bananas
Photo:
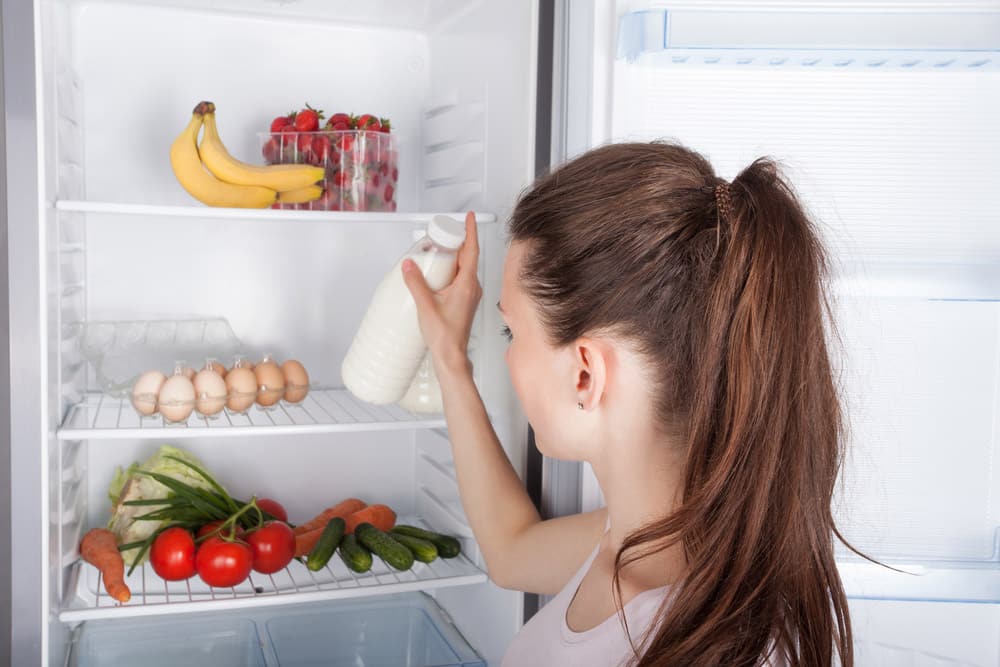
column 214, row 177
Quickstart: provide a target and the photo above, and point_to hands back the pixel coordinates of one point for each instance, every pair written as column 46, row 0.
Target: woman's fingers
column 468, row 256
column 421, row 291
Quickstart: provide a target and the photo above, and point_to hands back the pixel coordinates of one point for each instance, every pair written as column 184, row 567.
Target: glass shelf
column 100, row 416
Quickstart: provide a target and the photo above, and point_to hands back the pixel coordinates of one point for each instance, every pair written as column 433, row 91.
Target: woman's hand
column 446, row 316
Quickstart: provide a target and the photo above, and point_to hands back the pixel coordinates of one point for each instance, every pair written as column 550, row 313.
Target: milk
column 388, row 348
column 424, row 394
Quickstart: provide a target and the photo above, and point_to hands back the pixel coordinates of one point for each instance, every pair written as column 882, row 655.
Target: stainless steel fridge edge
column 6, row 612
column 29, row 585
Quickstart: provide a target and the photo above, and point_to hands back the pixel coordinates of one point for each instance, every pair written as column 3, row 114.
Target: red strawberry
column 272, row 150
column 321, row 147
column 308, row 119
column 395, row 174
column 388, row 192
column 384, row 122
column 280, row 122
column 368, row 122
column 345, row 143
column 339, row 118
column 288, row 129
column 304, row 142
column 343, row 180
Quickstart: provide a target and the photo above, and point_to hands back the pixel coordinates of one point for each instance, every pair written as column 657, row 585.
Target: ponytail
column 737, row 326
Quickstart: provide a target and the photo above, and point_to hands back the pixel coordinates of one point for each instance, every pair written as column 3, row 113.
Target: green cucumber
column 447, row 546
column 327, row 544
column 383, row 546
column 423, row 550
column 354, row 555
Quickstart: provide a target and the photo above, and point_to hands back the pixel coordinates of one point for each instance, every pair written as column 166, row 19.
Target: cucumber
column 354, row 555
column 327, row 544
column 383, row 546
column 447, row 546
column 423, row 550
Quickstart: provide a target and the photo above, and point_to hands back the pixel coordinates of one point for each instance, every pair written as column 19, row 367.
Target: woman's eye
column 505, row 332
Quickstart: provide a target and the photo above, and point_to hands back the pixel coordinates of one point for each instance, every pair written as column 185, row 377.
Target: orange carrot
column 343, row 509
column 304, row 542
column 99, row 547
column 380, row 516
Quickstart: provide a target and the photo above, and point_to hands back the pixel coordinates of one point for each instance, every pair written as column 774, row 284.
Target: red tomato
column 273, row 546
column 172, row 554
column 223, row 564
column 212, row 525
column 273, row 507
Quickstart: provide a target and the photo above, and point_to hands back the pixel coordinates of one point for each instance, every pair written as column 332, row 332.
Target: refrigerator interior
column 884, row 117
column 124, row 243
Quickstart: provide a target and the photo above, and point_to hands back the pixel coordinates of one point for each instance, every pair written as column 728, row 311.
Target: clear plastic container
column 394, row 631
column 362, row 167
column 159, row 642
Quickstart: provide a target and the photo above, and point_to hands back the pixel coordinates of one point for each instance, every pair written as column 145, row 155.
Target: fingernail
column 407, row 265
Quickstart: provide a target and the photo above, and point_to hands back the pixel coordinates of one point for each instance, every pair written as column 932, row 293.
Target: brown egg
column 218, row 368
column 296, row 381
column 189, row 373
column 210, row 392
column 242, row 387
column 145, row 391
column 176, row 401
column 270, row 383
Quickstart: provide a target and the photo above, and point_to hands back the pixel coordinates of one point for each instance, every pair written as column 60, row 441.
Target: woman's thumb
column 414, row 279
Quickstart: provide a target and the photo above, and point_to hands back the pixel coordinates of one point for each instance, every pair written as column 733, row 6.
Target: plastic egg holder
column 361, row 167
column 178, row 407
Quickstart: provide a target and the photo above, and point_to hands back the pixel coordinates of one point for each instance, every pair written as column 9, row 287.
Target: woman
column 668, row 328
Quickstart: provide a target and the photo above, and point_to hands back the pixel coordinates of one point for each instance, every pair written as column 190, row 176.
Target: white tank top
column 546, row 639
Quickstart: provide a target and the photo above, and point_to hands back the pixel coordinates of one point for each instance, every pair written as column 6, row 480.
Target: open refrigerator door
column 123, row 271
column 883, row 116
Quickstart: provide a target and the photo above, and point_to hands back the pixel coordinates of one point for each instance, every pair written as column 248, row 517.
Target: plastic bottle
column 424, row 394
column 387, row 349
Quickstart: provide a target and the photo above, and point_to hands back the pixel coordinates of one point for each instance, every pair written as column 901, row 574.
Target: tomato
column 223, row 564
column 273, row 507
column 172, row 554
column 212, row 525
column 273, row 546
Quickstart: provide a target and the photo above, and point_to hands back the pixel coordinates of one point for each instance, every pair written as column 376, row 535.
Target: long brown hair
column 721, row 290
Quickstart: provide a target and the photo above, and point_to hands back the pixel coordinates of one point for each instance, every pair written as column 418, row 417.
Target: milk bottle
column 424, row 394
column 388, row 348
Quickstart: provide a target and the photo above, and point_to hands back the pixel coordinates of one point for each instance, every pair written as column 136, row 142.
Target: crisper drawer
column 408, row 630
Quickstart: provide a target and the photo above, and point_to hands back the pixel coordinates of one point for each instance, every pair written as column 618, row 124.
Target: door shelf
column 945, row 581
column 210, row 212
column 153, row 596
column 100, row 416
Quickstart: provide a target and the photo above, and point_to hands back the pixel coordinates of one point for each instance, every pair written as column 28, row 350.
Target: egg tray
column 265, row 399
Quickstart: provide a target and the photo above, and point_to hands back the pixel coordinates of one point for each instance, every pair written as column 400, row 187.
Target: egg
column 296, row 381
column 242, row 387
column 218, row 368
column 270, row 383
column 145, row 392
column 176, row 400
column 210, row 392
column 188, row 372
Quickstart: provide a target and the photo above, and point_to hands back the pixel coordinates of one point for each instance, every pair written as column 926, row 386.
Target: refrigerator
column 883, row 114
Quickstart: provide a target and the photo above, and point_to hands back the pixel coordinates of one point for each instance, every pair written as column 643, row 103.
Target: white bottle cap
column 446, row 231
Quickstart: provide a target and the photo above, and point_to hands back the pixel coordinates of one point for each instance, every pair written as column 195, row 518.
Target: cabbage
column 127, row 485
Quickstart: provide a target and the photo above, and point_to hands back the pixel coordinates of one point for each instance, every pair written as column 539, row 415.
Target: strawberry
column 384, row 123
column 308, row 119
column 321, row 147
column 345, row 143
column 368, row 122
column 395, row 174
column 281, row 121
column 272, row 151
column 388, row 192
column 304, row 142
column 339, row 118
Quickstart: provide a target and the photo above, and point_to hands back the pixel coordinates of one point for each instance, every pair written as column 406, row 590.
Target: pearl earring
column 580, row 405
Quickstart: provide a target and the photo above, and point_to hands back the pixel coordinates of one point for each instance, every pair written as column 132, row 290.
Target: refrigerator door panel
column 882, row 116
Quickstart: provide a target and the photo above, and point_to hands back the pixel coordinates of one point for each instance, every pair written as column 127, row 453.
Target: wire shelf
column 152, row 595
column 323, row 411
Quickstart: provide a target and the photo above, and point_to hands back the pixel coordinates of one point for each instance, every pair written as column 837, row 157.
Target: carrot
column 343, row 509
column 380, row 516
column 304, row 542
column 99, row 547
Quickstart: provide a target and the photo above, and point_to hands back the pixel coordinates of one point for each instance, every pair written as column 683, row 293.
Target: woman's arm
column 522, row 552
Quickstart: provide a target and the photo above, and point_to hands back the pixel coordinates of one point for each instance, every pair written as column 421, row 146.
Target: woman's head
column 717, row 289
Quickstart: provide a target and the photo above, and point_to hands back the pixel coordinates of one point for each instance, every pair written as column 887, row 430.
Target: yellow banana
column 280, row 177
column 202, row 185
column 300, row 195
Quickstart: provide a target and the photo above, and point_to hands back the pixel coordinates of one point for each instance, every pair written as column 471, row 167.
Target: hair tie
column 723, row 202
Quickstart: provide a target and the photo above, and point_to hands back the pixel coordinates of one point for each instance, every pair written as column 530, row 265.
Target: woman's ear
column 592, row 359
